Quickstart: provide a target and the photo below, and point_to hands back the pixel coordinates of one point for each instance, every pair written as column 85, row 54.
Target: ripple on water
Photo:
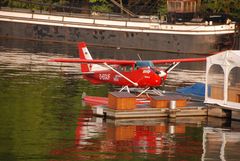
column 42, row 117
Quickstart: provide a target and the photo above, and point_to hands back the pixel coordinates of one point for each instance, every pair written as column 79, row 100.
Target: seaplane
column 142, row 74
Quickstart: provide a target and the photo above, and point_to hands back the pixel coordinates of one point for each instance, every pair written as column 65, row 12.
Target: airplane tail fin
column 84, row 54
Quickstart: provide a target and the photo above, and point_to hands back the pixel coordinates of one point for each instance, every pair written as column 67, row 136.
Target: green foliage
column 96, row 5
column 34, row 5
column 95, row 1
column 162, row 7
column 231, row 7
column 101, row 6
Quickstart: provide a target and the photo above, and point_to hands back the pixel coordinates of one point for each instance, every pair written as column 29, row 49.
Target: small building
column 223, row 79
column 182, row 10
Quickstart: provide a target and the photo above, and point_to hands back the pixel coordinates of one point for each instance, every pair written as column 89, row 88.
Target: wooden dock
column 148, row 112
column 125, row 105
column 195, row 120
column 223, row 112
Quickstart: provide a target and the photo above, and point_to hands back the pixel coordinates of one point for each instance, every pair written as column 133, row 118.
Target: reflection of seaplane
column 125, row 73
column 109, row 138
column 154, row 136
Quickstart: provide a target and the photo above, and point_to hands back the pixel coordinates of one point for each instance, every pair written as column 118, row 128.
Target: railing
column 50, row 8
column 116, row 17
column 99, row 21
column 76, row 12
column 53, row 7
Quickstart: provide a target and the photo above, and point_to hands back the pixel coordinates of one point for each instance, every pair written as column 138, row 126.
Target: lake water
column 42, row 115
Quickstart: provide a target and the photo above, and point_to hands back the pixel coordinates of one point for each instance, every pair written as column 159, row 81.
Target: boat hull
column 164, row 42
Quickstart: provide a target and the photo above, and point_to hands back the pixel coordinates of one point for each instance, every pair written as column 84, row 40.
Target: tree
column 101, row 6
column 162, row 7
column 230, row 7
column 33, row 4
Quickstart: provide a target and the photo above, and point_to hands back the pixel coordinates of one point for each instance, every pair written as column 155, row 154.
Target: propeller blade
column 162, row 74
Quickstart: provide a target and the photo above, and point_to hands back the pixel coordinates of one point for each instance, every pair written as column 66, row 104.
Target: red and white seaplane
column 126, row 73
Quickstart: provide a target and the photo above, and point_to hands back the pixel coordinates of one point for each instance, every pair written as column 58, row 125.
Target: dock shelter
column 223, row 79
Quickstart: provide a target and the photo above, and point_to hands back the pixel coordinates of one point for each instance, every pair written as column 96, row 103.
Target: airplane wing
column 95, row 61
column 123, row 62
column 178, row 60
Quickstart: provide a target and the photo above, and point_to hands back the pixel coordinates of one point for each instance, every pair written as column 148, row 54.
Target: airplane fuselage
column 144, row 77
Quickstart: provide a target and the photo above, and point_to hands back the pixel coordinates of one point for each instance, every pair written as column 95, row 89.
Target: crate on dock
column 164, row 101
column 121, row 101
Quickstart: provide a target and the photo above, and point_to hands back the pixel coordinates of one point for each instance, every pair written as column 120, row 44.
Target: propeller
column 162, row 74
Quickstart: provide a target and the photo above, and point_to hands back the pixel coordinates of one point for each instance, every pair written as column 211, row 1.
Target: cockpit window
column 144, row 64
column 127, row 68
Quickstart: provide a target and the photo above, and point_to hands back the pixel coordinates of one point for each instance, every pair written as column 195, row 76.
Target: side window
column 120, row 68
column 135, row 67
column 234, row 85
column 216, row 82
column 128, row 68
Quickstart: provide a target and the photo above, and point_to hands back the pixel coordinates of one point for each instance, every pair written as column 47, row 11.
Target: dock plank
column 151, row 112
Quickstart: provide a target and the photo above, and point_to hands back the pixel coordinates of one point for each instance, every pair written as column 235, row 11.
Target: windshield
column 144, row 64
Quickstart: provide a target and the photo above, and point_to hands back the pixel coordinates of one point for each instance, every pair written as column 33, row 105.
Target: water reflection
column 31, row 56
column 129, row 139
column 220, row 144
column 181, row 139
column 42, row 116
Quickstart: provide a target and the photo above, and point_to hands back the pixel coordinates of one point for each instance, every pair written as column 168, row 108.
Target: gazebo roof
column 224, row 92
column 230, row 57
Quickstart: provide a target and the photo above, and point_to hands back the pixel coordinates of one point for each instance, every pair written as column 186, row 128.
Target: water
column 43, row 118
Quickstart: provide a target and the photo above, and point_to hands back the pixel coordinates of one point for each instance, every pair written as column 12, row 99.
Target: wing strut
column 129, row 80
column 171, row 67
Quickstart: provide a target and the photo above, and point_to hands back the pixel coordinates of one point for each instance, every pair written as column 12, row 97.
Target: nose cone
column 162, row 77
column 158, row 80
column 162, row 74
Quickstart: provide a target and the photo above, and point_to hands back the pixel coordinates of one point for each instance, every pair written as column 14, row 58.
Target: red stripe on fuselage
column 143, row 76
